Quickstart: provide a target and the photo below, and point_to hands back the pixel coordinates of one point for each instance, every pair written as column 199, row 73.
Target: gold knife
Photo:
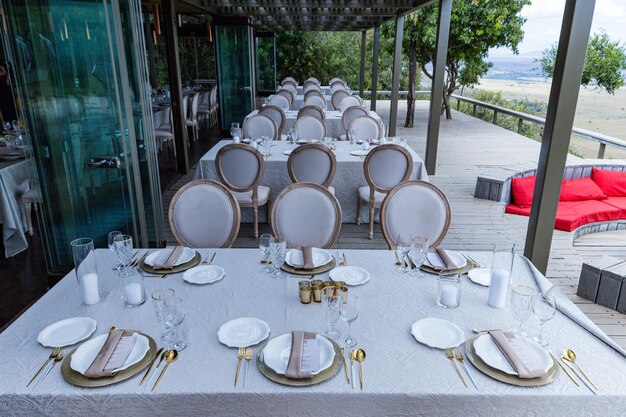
column 345, row 364
column 150, row 367
column 563, row 367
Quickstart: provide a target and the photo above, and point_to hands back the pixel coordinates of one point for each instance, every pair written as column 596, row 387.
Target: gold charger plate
column 180, row 268
column 319, row 270
column 498, row 375
column 78, row 379
column 325, row 375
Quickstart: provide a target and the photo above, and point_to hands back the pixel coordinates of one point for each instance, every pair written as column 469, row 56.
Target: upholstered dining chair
column 333, row 80
column 310, row 85
column 416, row 208
column 287, row 94
column 350, row 101
column 278, row 116
column 337, row 86
column 306, row 214
column 290, row 79
column 259, row 125
column 240, row 168
column 310, row 128
column 192, row 119
column 313, row 92
column 314, row 80
column 315, row 100
column 385, row 167
column 165, row 133
column 187, row 215
column 280, row 101
column 312, row 162
column 349, row 115
column 311, row 110
column 366, row 127
column 290, row 87
column 337, row 96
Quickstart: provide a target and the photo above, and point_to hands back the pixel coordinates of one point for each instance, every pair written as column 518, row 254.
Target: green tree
column 604, row 63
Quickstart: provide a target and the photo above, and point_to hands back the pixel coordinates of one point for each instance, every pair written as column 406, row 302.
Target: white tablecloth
column 348, row 176
column 13, row 184
column 334, row 126
column 401, row 377
column 299, row 102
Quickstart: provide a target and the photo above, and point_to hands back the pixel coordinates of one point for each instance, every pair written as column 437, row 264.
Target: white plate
column 243, row 332
column 185, row 257
column 488, row 351
column 437, row 333
column 458, row 259
column 351, row 275
column 87, row 352
column 67, row 332
column 481, row 276
column 320, row 257
column 359, row 153
column 277, row 351
column 204, row 274
column 288, row 152
column 305, row 141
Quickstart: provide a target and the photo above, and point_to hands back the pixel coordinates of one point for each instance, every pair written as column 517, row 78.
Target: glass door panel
column 265, row 64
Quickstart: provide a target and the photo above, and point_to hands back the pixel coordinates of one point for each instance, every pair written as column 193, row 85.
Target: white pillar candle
column 89, row 288
column 498, row 288
column 133, row 293
column 449, row 295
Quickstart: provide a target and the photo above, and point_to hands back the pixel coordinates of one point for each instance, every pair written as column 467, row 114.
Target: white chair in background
column 278, row 116
column 311, row 110
column 306, row 214
column 188, row 215
column 315, row 100
column 416, row 208
column 350, row 101
column 349, row 115
column 165, row 133
column 290, row 87
column 240, row 168
column 337, row 85
column 310, row 85
column 337, row 96
column 287, row 94
column 290, row 79
column 313, row 80
column 312, row 162
column 280, row 101
column 192, row 120
column 334, row 79
column 310, row 128
column 259, row 125
column 313, row 92
column 365, row 128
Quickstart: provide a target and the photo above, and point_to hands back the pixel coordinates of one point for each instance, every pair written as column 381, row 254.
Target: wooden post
column 395, row 82
column 519, row 125
column 362, row 73
column 601, row 150
column 375, row 68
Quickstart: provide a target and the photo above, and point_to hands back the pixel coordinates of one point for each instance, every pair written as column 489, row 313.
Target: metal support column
column 176, row 90
column 568, row 69
column 395, row 82
column 436, row 90
column 362, row 74
column 375, row 67
column 150, row 46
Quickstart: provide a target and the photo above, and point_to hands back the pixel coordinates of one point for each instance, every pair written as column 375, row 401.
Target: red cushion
column 580, row 189
column 612, row 183
column 522, row 191
column 618, row 202
column 573, row 214
column 513, row 209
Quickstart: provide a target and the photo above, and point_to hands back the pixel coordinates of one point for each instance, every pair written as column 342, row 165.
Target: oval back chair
column 311, row 110
column 315, row 100
column 337, row 96
column 350, row 101
column 259, row 125
column 280, row 101
column 312, row 162
column 310, row 128
column 365, row 128
column 350, row 114
column 277, row 115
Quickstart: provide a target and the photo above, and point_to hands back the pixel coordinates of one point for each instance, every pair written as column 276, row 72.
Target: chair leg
column 358, row 210
column 371, row 232
column 256, row 222
column 29, row 218
column 267, row 210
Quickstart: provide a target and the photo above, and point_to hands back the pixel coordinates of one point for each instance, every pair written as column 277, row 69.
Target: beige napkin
column 168, row 260
column 307, row 258
column 113, row 354
column 521, row 357
column 304, row 357
column 440, row 259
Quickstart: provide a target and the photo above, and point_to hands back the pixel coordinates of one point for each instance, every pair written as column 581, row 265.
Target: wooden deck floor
column 467, row 148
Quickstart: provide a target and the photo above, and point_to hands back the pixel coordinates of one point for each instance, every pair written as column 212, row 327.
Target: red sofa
column 599, row 198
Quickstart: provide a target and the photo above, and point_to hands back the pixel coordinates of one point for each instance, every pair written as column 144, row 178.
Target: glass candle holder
column 317, row 286
column 449, row 290
column 132, row 287
column 305, row 292
column 86, row 270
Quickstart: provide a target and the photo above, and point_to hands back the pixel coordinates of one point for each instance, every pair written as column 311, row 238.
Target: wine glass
column 278, row 251
column 403, row 246
column 418, row 253
column 16, row 125
column 328, row 141
column 352, row 135
column 6, row 126
column 264, row 246
column 349, row 311
column 234, row 130
column 544, row 308
column 331, row 299
column 522, row 297
column 111, row 241
column 170, row 314
column 123, row 245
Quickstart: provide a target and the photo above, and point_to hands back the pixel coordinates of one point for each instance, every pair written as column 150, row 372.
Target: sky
column 544, row 23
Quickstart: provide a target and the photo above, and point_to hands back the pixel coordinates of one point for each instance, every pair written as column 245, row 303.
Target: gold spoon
column 570, row 356
column 52, row 356
column 359, row 355
column 170, row 356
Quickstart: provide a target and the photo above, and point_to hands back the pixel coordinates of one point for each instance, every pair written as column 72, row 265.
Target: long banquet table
column 348, row 176
column 13, row 184
column 401, row 377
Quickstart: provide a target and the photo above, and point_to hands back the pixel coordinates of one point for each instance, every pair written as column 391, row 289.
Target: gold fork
column 450, row 356
column 460, row 358
column 248, row 356
column 241, row 353
column 53, row 355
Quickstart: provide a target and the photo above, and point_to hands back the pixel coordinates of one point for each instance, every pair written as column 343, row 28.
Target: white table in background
column 14, row 183
column 348, row 176
column 401, row 377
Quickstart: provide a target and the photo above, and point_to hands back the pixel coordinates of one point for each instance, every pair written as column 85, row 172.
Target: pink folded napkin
column 305, row 355
column 167, row 259
column 112, row 355
column 521, row 356
column 440, row 259
column 307, row 259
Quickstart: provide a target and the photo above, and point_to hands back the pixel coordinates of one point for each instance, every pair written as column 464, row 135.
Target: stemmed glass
column 264, row 247
column 544, row 308
column 403, row 245
column 349, row 311
column 418, row 254
column 16, row 125
column 124, row 249
column 278, row 251
column 331, row 299
column 267, row 146
column 6, row 126
column 291, row 136
column 170, row 314
column 111, row 241
column 234, row 130
column 522, row 297
column 351, row 135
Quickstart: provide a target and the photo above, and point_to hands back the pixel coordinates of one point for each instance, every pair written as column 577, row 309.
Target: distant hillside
column 515, row 67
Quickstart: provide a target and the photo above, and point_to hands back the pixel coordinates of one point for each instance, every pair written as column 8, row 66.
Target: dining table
column 401, row 377
column 348, row 178
column 298, row 101
column 14, row 183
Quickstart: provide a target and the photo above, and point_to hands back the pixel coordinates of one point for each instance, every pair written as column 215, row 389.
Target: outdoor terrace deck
column 467, row 148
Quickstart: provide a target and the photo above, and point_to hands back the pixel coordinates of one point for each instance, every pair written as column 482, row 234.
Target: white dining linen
column 334, row 126
column 401, row 376
column 13, row 184
column 348, row 177
column 298, row 102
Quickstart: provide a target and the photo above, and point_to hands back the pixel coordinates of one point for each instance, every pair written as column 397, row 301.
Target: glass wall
column 82, row 76
column 265, row 62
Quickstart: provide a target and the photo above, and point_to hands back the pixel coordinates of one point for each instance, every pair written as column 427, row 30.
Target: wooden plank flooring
column 467, row 148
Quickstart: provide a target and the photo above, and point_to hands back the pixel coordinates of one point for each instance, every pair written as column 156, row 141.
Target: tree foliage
column 604, row 63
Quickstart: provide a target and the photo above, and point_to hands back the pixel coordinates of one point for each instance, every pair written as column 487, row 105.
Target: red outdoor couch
column 599, row 198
